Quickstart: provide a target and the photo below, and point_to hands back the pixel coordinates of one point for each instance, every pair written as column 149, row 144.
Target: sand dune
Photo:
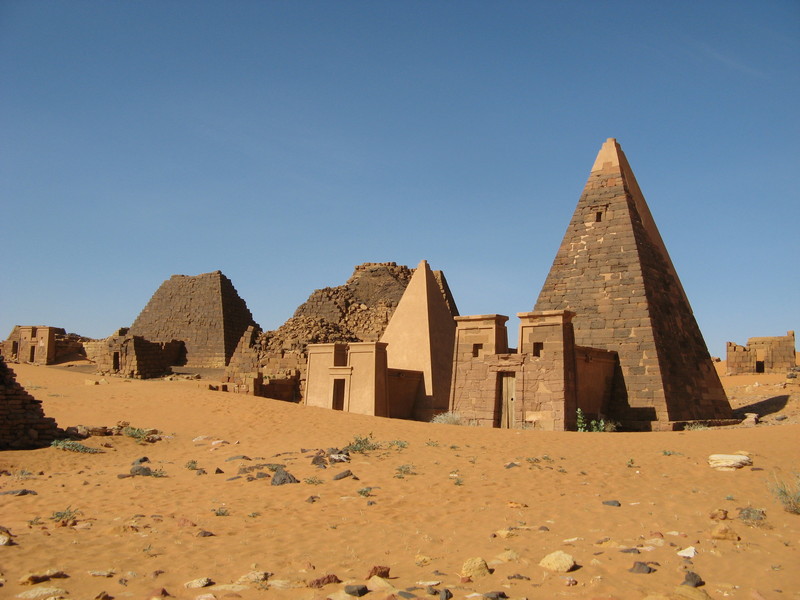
column 430, row 498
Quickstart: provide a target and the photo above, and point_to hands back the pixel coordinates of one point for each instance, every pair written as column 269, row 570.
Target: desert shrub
column 403, row 470
column 136, row 433
column 695, row 427
column 73, row 446
column 448, row 418
column 313, row 480
column 221, row 511
column 191, row 465
column 65, row 516
column 398, row 444
column 788, row 494
column 366, row 492
column 362, row 444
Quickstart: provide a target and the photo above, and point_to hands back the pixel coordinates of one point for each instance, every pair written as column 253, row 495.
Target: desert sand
column 430, row 498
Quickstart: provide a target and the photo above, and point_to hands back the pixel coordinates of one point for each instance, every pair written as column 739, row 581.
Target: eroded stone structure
column 204, row 312
column 405, row 374
column 133, row 356
column 762, row 355
column 41, row 345
column 23, row 424
column 274, row 363
column 613, row 271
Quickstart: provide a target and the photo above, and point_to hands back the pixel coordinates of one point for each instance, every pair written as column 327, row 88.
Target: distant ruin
column 23, row 424
column 203, row 311
column 40, row 345
column 762, row 355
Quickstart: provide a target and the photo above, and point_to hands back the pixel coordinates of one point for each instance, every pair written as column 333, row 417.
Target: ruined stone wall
column 203, row 311
column 739, row 359
column 762, row 355
column 23, row 424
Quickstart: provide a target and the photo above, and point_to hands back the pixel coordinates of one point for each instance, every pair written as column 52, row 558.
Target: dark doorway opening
column 338, row 394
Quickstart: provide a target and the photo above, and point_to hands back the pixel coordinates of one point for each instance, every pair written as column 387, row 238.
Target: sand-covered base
column 432, row 497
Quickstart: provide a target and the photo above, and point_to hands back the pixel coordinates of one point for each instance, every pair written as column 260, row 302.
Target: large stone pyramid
column 614, row 271
column 420, row 337
column 203, row 311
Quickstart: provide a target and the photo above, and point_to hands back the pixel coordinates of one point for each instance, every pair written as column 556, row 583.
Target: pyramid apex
column 609, row 155
column 422, row 264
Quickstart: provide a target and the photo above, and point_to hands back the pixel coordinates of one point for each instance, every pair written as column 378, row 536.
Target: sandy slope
column 454, row 497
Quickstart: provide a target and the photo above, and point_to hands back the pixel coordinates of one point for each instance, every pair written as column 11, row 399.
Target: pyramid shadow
column 763, row 407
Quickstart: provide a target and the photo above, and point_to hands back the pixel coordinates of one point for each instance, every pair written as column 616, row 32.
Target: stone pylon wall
column 614, row 272
column 22, row 421
column 203, row 311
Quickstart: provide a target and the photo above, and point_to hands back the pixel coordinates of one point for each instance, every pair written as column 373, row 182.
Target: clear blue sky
column 285, row 142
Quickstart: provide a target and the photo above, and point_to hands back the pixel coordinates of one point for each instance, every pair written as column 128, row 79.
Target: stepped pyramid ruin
column 203, row 311
column 614, row 272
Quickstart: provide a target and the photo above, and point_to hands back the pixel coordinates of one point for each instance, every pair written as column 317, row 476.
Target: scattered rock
column 19, row 493
column 238, row 457
column 475, row 567
column 201, row 582
column 43, row 592
column 379, row 571
column 445, row 594
column 728, row 462
column 34, row 578
column 692, row 579
column 421, row 560
column 324, row 580
column 630, row 551
column 342, row 475
column 103, row 596
column 558, row 561
column 140, row 460
column 204, row 533
column 683, row 592
column 254, row 577
column 719, row 514
column 689, row 552
column 612, row 503
column 724, row 532
column 218, row 471
column 356, row 590
column 106, row 573
column 141, row 470
column 158, row 593
column 513, row 504
column 570, row 581
column 495, row 595
column 641, row 567
column 282, row 476
column 312, row 499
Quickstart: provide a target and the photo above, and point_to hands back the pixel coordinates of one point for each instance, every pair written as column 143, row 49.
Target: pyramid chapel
column 612, row 336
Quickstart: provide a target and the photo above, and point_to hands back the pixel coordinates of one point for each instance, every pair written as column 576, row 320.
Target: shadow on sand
column 763, row 407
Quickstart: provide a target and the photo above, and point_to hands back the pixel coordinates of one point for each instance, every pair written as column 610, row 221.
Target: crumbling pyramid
column 22, row 421
column 203, row 311
column 420, row 337
column 613, row 270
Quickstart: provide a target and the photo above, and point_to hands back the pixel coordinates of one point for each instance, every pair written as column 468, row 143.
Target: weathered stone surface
column 724, row 532
column 558, row 561
column 474, row 568
column 320, row 582
column 282, row 477
column 200, row 582
column 728, row 462
column 43, row 592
